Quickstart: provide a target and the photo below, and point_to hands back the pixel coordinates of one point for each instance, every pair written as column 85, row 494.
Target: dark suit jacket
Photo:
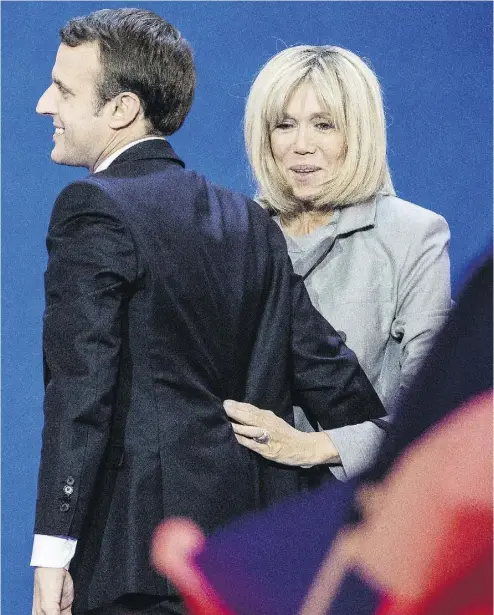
column 166, row 295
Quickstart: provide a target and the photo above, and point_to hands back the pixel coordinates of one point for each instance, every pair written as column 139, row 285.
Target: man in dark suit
column 165, row 295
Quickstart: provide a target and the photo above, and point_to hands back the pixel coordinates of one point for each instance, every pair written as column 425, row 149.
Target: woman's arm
column 424, row 295
column 357, row 445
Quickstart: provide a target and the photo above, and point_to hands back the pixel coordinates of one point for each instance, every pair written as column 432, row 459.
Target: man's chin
column 60, row 158
column 57, row 157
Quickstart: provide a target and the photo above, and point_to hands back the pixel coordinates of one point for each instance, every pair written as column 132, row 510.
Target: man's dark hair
column 142, row 53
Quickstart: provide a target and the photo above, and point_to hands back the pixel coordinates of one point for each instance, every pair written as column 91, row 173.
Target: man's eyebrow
column 61, row 86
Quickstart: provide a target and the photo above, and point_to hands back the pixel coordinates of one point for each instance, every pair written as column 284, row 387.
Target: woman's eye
column 284, row 125
column 325, row 126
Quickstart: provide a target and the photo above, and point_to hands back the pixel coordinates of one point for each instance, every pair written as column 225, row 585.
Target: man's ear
column 125, row 109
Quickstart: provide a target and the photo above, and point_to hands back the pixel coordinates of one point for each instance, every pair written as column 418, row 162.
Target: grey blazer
column 385, row 285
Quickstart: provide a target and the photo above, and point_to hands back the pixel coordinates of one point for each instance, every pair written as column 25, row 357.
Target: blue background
column 435, row 64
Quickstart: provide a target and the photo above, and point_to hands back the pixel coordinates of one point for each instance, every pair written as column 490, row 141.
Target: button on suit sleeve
column 91, row 273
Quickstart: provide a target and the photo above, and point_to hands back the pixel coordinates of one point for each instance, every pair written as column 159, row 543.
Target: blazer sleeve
column 327, row 380
column 424, row 296
column 424, row 299
column 91, row 272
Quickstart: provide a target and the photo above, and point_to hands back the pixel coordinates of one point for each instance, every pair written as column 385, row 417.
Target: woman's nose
column 303, row 143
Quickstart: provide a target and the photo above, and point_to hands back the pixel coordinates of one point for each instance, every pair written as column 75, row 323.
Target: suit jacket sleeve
column 327, row 380
column 90, row 275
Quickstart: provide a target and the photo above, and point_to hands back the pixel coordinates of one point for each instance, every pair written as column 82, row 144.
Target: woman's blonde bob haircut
column 349, row 90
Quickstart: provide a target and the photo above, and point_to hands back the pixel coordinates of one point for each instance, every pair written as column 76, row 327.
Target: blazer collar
column 154, row 148
column 356, row 217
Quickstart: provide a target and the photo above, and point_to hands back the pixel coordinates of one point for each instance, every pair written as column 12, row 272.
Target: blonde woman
column 375, row 266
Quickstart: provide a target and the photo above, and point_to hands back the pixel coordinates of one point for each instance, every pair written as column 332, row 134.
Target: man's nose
column 46, row 104
column 304, row 142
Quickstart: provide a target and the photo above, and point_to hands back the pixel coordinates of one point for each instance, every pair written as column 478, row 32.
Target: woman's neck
column 306, row 222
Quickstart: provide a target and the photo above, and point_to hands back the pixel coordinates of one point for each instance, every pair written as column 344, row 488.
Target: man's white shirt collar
column 107, row 162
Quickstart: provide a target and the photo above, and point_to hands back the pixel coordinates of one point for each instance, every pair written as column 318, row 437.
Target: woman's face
column 305, row 144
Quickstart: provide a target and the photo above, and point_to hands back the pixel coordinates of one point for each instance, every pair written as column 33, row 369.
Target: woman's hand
column 265, row 433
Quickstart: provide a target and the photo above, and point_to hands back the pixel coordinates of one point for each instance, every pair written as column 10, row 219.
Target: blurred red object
column 428, row 545
column 175, row 545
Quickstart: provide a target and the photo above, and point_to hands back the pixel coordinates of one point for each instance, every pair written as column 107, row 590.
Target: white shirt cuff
column 52, row 551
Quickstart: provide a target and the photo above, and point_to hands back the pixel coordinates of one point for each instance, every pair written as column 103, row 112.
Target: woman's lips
column 304, row 173
column 304, row 168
